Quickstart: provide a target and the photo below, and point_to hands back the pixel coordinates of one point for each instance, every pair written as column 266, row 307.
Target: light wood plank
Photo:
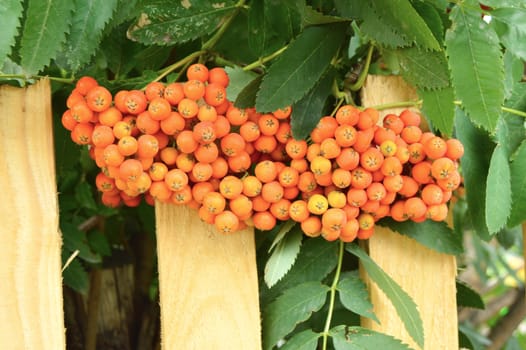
column 31, row 314
column 208, row 284
column 427, row 276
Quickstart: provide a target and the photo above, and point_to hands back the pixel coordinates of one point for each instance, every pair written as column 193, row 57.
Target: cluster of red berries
column 185, row 143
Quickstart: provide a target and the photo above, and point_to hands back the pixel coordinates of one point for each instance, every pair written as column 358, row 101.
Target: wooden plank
column 427, row 276
column 208, row 284
column 31, row 314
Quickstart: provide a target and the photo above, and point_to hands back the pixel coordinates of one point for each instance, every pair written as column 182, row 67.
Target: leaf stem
column 260, row 62
column 29, row 77
column 398, row 105
column 215, row 38
column 179, row 64
column 363, row 74
column 332, row 299
column 503, row 108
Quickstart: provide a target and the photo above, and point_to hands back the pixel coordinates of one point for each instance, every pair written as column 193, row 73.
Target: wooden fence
column 208, row 283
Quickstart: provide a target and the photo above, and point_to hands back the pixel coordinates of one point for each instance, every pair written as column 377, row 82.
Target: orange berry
column 259, row 204
column 230, row 187
column 159, row 108
column 329, row 148
column 240, row 162
column 232, row 144
column 437, row 212
column 226, row 222
column 194, row 89
column 421, row 172
column 81, row 113
column 394, row 123
column 348, row 159
column 307, row 182
column 455, row 149
column 409, row 187
column 415, row 207
column 364, row 139
column 325, row 128
column 214, row 202
column 300, row 165
column 432, row 194
column 222, row 126
column 104, row 183
column 366, row 120
column 393, row 183
column 219, row 168
column 334, row 219
column 411, row 134
column 264, row 221
column 102, row 136
column 236, row 116
column 341, row 178
column 169, row 156
column 416, row 153
column 268, row 124
column 391, row 166
column 345, row 135
column 365, row 234
column 283, row 113
column 121, row 129
column 85, row 84
column 202, row 171
column 398, row 212
column 296, row 149
column 320, row 165
column 376, row 191
column 298, row 210
column 317, row 204
column 410, row 118
column 443, row 168
column 148, row 146
column 356, row 197
column 371, row 159
column 157, row 171
column 251, row 186
column 218, row 75
column 249, row 131
column 197, row 71
column 347, row 115
column 435, row 147
column 204, row 132
column 272, row 191
column 241, row 206
column 206, row 153
column 135, row 102
column 110, row 116
column 280, row 209
column 311, row 226
column 288, row 177
column 349, row 231
column 215, row 94
column 361, row 178
column 174, row 93
column 176, row 179
column 98, row 99
column 450, row 183
column 186, row 142
column 365, row 221
column 112, row 156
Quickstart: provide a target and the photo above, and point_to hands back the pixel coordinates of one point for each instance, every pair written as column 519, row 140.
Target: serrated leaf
column 284, row 229
column 313, row 17
column 402, row 302
column 358, row 338
column 87, row 25
column 299, row 67
column 518, row 187
column 354, row 295
column 434, row 235
column 165, row 22
column 10, row 13
column 504, row 3
column 372, row 25
column 75, row 276
column 45, row 28
column 74, row 239
column 467, row 297
column 99, row 243
column 476, row 65
column 439, row 108
column 306, row 340
column 510, row 24
column 294, row 306
column 432, row 18
column 84, row 196
column 424, row 69
column 261, row 36
column 401, row 15
column 307, row 112
column 247, row 97
column 317, row 258
column 239, row 79
column 510, row 129
column 478, row 148
column 283, row 257
column 498, row 190
column 513, row 67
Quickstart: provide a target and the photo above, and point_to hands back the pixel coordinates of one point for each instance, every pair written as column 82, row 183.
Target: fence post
column 208, row 284
column 427, row 276
column 31, row 313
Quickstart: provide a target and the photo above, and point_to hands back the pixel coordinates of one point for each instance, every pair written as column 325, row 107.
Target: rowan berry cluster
column 185, row 143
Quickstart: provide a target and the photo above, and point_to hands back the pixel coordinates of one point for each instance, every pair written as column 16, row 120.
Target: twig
column 505, row 327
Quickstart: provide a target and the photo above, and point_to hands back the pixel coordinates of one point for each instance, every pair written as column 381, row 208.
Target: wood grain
column 208, row 284
column 31, row 314
column 427, row 276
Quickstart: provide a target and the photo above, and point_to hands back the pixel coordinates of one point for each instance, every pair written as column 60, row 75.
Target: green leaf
column 74, row 239
column 283, row 257
column 504, row 3
column 432, row 18
column 165, row 22
column 513, row 67
column 403, row 18
column 307, row 112
column 476, row 65
column 294, row 306
column 84, row 196
column 510, row 24
column 75, row 276
column 424, row 69
column 358, row 338
column 284, row 229
column 313, row 17
column 247, row 97
column 306, row 340
column 510, row 129
column 99, row 243
column 317, row 258
column 439, row 108
column 372, row 25
column 518, row 187
column 299, row 67
column 45, row 28
column 434, row 235
column 239, row 79
column 402, row 302
column 10, row 13
column 261, row 36
column 354, row 295
column 88, row 22
column 467, row 297
column 498, row 190
column 478, row 148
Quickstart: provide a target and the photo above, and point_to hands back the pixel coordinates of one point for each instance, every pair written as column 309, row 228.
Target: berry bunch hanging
column 185, row 143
